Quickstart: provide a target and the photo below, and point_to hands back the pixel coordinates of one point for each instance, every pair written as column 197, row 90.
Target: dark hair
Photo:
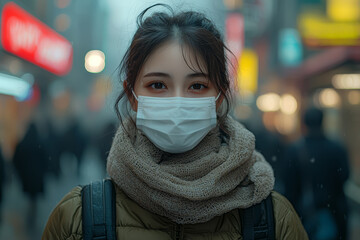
column 313, row 118
column 191, row 29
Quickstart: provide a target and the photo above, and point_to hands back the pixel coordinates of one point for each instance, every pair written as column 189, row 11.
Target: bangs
column 193, row 59
column 201, row 51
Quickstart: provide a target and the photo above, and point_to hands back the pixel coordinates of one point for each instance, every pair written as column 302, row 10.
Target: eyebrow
column 196, row 74
column 161, row 74
column 156, row 74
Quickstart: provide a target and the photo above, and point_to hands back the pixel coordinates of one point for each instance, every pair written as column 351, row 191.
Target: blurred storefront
column 308, row 53
column 32, row 55
column 329, row 78
column 43, row 46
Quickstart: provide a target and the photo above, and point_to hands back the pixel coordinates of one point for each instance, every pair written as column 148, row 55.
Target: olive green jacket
column 136, row 223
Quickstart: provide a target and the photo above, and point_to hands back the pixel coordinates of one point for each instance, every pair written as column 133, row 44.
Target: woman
column 178, row 161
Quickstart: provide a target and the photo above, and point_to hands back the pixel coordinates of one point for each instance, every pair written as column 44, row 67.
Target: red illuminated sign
column 27, row 37
column 235, row 33
column 234, row 39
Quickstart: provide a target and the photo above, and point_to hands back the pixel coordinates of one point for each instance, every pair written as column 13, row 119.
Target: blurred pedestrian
column 53, row 147
column 104, row 140
column 30, row 163
column 317, row 170
column 74, row 141
column 271, row 146
column 181, row 166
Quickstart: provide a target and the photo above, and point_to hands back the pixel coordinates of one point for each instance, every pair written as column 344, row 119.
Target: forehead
column 174, row 57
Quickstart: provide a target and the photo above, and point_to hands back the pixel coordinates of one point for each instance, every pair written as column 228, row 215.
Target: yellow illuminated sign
column 317, row 30
column 343, row 10
column 248, row 71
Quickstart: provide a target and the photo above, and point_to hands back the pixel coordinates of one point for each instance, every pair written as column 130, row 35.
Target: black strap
column 98, row 211
column 257, row 221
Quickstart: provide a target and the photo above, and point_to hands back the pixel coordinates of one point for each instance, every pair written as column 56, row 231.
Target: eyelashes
column 161, row 85
column 198, row 86
column 157, row 85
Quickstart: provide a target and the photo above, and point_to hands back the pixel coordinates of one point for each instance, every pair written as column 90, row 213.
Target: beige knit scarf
column 192, row 187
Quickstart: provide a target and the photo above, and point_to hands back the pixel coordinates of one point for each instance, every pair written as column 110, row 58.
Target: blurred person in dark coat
column 53, row 148
column 270, row 145
column 104, row 141
column 30, row 163
column 74, row 141
column 317, row 170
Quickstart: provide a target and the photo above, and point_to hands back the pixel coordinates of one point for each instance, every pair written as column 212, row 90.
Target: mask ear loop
column 133, row 112
column 218, row 96
column 218, row 112
column 134, row 95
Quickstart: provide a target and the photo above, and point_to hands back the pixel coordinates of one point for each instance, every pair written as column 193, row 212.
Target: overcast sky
column 122, row 20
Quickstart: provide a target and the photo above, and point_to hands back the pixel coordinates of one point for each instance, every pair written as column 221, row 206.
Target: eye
column 198, row 86
column 157, row 85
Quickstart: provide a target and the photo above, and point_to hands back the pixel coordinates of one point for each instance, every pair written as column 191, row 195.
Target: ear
column 130, row 96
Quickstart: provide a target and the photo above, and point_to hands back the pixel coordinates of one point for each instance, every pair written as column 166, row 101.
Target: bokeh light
column 288, row 104
column 232, row 4
column 268, row 102
column 95, row 61
column 62, row 3
column 346, row 81
column 328, row 97
column 62, row 22
column 285, row 123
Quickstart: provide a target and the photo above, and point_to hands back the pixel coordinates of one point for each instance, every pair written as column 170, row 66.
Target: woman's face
column 166, row 74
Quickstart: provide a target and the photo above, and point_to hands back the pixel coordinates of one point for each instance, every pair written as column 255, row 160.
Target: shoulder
column 65, row 220
column 287, row 223
column 336, row 145
column 132, row 216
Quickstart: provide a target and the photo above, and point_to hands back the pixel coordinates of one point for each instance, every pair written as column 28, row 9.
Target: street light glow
column 328, row 97
column 346, row 81
column 95, row 61
column 288, row 104
column 269, row 102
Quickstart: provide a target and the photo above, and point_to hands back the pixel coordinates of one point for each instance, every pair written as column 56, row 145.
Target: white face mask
column 175, row 124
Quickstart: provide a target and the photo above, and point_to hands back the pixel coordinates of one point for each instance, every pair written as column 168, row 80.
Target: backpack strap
column 257, row 221
column 98, row 211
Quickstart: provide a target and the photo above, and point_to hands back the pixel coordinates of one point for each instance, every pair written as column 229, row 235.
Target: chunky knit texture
column 195, row 186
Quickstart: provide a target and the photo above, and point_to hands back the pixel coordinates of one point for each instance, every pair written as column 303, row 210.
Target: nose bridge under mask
column 178, row 93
